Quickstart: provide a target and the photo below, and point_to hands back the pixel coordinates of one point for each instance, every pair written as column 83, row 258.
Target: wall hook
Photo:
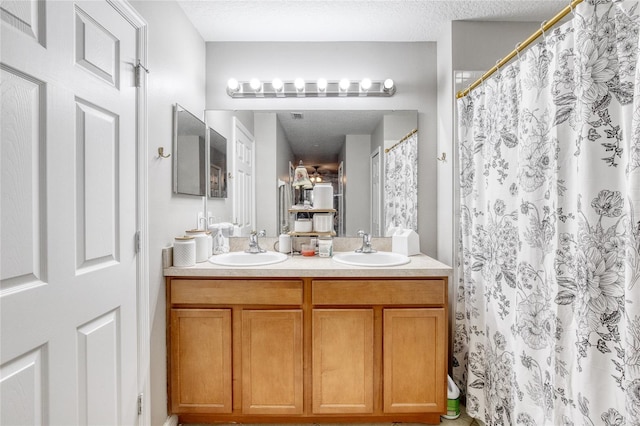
column 161, row 153
column 443, row 157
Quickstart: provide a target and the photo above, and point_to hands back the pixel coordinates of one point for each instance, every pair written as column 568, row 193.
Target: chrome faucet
column 254, row 247
column 366, row 243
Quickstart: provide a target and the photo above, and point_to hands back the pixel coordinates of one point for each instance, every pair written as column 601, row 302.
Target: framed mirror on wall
column 218, row 174
column 190, row 168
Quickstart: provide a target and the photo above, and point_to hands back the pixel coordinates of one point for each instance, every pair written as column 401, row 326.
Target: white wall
column 357, row 189
column 398, row 124
column 479, row 45
column 411, row 65
column 266, row 125
column 177, row 75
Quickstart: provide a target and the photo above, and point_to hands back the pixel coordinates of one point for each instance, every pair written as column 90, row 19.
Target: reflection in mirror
column 346, row 148
column 217, row 165
column 352, row 150
column 189, row 153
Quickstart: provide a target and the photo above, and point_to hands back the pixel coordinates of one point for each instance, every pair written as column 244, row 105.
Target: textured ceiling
column 318, row 136
column 352, row 20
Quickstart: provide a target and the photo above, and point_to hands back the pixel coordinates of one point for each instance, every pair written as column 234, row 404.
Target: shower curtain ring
column 518, row 50
column 544, row 36
column 573, row 8
column 498, row 68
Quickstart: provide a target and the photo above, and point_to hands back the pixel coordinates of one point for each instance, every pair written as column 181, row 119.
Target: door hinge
column 138, row 71
column 140, row 404
column 137, row 242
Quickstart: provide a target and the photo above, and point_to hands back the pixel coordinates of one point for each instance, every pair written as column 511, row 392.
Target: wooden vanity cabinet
column 235, row 346
column 308, row 350
column 406, row 366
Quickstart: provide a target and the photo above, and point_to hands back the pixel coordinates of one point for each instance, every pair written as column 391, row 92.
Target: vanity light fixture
column 278, row 87
column 256, row 85
column 365, row 85
column 233, row 85
column 322, row 86
column 344, row 87
column 307, row 88
column 389, row 86
column 277, row 84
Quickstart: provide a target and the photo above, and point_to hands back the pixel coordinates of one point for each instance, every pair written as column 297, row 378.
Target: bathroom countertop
column 300, row 266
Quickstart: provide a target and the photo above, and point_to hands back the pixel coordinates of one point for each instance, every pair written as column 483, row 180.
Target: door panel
column 342, row 361
column 415, row 366
column 272, row 362
column 68, row 321
column 243, row 178
column 201, row 360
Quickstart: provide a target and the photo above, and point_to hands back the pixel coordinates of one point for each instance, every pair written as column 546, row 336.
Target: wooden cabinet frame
column 363, row 312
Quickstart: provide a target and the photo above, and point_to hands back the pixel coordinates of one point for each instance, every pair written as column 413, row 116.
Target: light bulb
column 388, row 84
column 365, row 84
column 299, row 83
column 344, row 84
column 233, row 85
column 277, row 84
column 322, row 84
column 255, row 84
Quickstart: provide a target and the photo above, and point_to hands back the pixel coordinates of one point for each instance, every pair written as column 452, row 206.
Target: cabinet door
column 342, row 361
column 414, row 359
column 272, row 362
column 201, row 361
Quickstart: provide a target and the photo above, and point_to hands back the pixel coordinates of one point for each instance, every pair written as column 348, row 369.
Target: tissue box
column 405, row 241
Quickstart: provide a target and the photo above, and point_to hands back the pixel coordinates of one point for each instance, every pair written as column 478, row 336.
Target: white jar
column 323, row 222
column 303, row 225
column 184, row 251
column 325, row 247
column 323, row 196
column 284, row 243
column 201, row 243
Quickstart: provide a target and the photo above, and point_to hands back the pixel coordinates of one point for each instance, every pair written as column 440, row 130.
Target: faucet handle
column 262, row 233
column 360, row 233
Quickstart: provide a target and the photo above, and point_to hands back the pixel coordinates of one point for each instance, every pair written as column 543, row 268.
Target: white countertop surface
column 300, row 266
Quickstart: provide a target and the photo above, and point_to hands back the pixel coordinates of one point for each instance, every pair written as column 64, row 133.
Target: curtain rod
column 520, row 47
column 401, row 140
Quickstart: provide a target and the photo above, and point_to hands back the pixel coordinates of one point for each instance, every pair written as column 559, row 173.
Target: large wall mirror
column 351, row 149
column 189, row 153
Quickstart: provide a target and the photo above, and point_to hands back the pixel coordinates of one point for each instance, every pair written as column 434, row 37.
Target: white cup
column 283, row 245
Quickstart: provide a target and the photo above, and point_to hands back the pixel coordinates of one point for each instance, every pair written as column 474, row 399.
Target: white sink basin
column 380, row 258
column 241, row 258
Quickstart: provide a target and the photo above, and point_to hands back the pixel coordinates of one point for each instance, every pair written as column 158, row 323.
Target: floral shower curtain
column 401, row 185
column 547, row 328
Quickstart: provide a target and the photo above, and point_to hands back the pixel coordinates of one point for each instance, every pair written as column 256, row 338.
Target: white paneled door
column 244, row 213
column 68, row 352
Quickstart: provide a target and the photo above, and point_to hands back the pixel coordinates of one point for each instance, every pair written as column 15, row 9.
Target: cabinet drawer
column 236, row 292
column 429, row 291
